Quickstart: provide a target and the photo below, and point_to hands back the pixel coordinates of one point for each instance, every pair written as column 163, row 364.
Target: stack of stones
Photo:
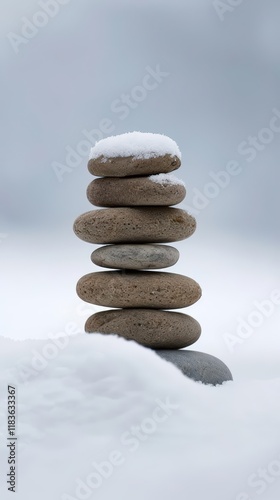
column 138, row 191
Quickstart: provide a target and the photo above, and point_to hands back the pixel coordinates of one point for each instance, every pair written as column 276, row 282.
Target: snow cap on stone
column 139, row 145
column 166, row 179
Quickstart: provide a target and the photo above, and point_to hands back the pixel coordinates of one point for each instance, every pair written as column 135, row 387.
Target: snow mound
column 166, row 179
column 101, row 417
column 139, row 145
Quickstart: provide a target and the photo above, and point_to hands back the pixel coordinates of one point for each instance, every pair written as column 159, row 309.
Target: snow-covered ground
column 111, row 415
column 86, row 400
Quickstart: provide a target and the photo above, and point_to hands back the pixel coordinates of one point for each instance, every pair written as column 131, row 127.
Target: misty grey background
column 222, row 86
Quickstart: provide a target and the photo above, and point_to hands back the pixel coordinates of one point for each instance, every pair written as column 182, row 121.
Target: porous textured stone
column 198, row 366
column 129, row 225
column 137, row 289
column 121, row 166
column 134, row 191
column 148, row 327
column 135, row 256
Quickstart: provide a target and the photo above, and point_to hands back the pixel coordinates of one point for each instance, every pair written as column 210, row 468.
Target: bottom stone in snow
column 148, row 327
column 198, row 366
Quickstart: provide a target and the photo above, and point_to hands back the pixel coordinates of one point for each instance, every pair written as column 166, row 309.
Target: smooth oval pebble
column 135, row 256
column 151, row 289
column 148, row 327
column 134, row 191
column 129, row 225
column 198, row 366
column 123, row 166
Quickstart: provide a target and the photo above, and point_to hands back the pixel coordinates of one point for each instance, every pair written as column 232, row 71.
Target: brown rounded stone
column 135, row 256
column 148, row 327
column 129, row 225
column 134, row 191
column 122, row 166
column 147, row 289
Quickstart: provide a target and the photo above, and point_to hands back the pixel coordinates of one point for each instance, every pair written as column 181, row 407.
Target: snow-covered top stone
column 139, row 145
column 166, row 179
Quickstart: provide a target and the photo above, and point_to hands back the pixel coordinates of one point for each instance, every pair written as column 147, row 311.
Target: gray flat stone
column 135, row 256
column 198, row 366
